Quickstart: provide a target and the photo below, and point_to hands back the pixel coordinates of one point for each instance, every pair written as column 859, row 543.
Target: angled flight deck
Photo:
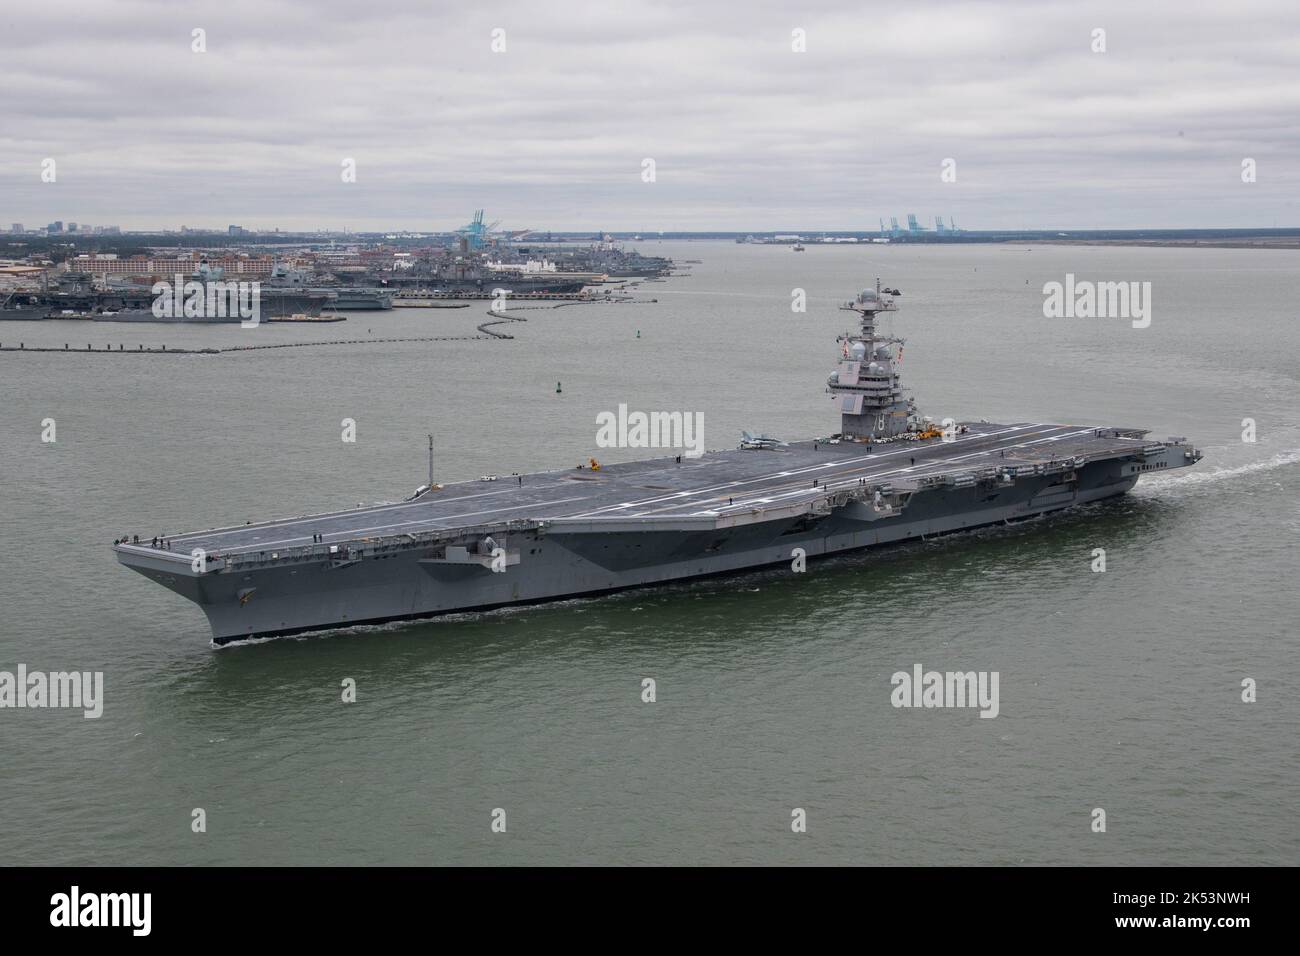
column 888, row 475
column 720, row 484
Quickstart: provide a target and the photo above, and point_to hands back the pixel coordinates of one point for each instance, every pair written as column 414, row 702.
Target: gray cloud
column 745, row 133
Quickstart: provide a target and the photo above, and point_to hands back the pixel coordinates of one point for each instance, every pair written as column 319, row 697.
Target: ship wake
column 1158, row 485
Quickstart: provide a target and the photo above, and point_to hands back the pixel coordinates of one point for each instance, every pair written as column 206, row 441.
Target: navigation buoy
column 558, row 390
column 638, row 333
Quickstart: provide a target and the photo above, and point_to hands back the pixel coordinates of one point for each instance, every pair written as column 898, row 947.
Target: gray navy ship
column 887, row 476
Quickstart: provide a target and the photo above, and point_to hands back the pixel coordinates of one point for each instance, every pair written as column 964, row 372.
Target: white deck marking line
column 265, row 545
column 853, row 478
column 940, row 463
column 937, row 467
column 810, row 468
column 289, row 522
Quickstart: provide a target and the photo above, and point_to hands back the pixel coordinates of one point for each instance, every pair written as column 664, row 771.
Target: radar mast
column 867, row 385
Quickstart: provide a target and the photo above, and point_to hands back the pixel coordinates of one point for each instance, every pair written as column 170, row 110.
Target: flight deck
column 714, row 485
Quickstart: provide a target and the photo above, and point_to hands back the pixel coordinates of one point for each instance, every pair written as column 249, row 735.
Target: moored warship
column 138, row 306
column 888, row 475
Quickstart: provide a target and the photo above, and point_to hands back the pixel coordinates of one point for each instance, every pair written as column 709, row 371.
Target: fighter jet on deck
column 750, row 440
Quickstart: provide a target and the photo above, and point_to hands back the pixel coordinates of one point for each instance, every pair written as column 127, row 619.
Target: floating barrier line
column 155, row 350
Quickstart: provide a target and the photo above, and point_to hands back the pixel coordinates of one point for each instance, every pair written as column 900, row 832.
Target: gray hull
column 574, row 565
column 358, row 300
column 286, row 586
column 34, row 313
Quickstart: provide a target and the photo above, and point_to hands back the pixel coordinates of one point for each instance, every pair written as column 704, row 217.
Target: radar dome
column 859, row 350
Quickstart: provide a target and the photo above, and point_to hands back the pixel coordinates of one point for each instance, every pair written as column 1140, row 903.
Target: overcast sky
column 745, row 133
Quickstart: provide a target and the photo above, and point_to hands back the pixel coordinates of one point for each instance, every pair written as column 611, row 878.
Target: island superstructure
column 887, row 476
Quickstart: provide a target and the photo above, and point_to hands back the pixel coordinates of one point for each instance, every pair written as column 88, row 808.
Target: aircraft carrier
column 887, row 475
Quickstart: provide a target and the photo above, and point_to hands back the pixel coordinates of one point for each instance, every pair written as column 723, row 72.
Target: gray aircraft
column 750, row 440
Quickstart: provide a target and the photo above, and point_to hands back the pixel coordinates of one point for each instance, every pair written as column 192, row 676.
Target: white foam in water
column 1194, row 477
